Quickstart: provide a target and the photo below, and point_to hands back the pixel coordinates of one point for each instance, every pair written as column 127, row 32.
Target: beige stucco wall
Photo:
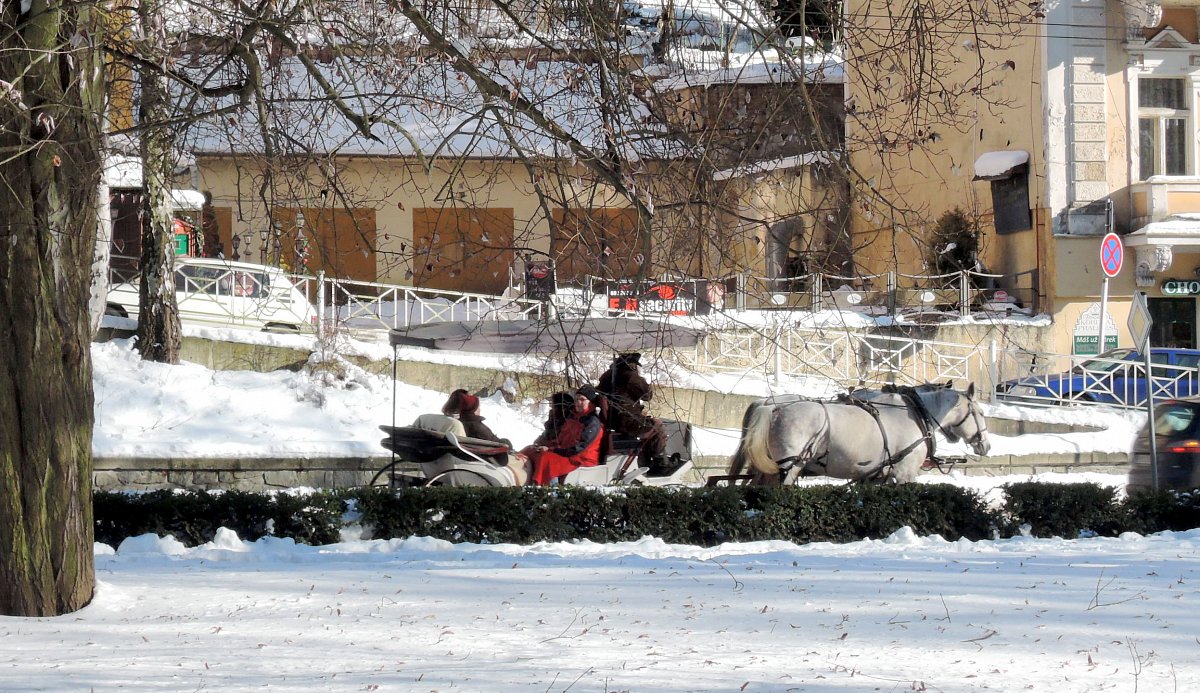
column 936, row 176
column 393, row 187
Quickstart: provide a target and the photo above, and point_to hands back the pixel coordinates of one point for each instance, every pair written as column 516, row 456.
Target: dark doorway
column 1174, row 323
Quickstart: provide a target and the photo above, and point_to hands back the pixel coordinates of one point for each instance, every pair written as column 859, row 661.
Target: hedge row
column 699, row 516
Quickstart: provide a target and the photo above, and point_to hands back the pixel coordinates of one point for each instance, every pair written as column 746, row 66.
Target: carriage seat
column 622, row 443
column 454, row 433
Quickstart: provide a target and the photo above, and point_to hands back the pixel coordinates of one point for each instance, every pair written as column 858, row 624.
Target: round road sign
column 1112, row 255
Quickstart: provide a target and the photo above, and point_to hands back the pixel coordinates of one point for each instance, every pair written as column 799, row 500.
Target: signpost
column 1112, row 257
column 1140, row 322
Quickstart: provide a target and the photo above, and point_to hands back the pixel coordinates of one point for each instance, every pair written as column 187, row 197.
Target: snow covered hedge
column 698, row 516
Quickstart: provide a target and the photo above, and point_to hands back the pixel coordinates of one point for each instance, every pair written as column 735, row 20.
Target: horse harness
column 923, row 418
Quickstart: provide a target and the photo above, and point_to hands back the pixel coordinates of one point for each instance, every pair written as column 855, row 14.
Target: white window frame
column 1161, row 116
column 1166, row 56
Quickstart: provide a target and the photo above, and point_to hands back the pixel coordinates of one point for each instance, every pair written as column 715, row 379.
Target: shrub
column 1065, row 510
column 698, row 516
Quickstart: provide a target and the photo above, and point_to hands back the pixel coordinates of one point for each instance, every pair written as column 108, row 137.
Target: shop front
column 1168, row 269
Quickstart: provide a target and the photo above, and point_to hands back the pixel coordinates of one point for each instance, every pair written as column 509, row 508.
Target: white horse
column 884, row 435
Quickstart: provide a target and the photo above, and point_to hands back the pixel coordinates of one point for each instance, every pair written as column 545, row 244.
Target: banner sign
column 1181, row 287
column 689, row 297
column 539, row 280
column 1085, row 338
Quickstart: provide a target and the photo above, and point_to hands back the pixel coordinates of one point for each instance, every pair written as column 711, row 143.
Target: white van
column 224, row 293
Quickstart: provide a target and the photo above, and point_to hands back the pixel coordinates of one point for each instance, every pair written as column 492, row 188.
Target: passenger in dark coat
column 577, row 445
column 626, row 389
column 464, row 406
column 562, row 406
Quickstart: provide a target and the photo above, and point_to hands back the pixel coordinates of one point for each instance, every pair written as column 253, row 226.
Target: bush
column 1065, row 510
column 697, row 516
column 193, row 517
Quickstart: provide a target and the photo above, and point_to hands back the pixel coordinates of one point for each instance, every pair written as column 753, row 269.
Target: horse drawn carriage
column 434, row 450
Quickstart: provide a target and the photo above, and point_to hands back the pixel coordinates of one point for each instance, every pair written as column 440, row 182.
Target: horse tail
column 756, row 427
column 737, row 463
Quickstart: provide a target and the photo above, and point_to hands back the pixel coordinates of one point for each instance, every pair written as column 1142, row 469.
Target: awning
column 1001, row 165
column 546, row 337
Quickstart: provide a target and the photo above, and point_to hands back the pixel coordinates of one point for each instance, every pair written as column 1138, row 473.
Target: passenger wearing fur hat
column 464, row 406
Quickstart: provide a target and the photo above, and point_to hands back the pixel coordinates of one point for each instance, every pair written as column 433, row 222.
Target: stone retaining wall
column 259, row 474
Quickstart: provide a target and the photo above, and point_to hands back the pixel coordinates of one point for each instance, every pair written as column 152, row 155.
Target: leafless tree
column 50, row 168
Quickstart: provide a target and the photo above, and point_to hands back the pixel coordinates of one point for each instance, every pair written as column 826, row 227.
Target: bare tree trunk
column 158, row 335
column 49, row 140
column 101, row 259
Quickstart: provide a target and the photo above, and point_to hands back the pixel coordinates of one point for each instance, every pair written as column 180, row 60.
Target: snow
column 782, row 164
column 992, row 164
column 1183, row 225
column 901, row 613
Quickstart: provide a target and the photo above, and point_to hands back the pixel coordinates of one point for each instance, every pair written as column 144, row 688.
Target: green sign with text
column 1086, row 343
column 1181, row 287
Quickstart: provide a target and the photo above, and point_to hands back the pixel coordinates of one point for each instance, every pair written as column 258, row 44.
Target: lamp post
column 237, row 244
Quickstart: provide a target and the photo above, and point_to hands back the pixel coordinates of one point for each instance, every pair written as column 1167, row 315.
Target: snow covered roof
column 125, row 171
column 765, row 67
column 785, row 163
column 430, row 109
column 1177, row 229
column 1001, row 164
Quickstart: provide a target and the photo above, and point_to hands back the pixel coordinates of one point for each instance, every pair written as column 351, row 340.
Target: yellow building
column 944, row 112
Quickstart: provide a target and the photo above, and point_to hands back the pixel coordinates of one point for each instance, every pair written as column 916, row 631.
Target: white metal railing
column 1117, row 379
column 376, row 306
column 360, row 305
column 848, row 357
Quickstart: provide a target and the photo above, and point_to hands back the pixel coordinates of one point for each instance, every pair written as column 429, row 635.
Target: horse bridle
column 972, row 413
column 946, row 429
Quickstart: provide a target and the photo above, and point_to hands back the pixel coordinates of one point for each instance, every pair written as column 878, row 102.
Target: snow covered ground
column 903, row 614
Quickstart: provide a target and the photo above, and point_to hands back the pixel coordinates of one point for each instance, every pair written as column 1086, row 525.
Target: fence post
column 320, row 304
column 893, row 286
column 964, row 293
column 993, row 367
column 817, row 287
column 778, row 355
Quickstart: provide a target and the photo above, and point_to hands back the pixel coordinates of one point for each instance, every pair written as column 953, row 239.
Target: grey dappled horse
column 883, row 435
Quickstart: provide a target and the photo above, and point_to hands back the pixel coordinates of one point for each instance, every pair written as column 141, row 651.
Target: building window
column 1008, row 172
column 1010, row 203
column 1163, row 125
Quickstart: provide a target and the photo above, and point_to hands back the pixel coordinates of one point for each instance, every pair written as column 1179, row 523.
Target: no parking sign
column 1112, row 255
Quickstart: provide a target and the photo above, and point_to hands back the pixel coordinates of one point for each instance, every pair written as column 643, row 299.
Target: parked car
column 1177, row 437
column 1115, row 377
column 222, row 292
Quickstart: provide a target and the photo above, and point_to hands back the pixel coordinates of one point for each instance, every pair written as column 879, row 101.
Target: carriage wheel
column 460, row 477
column 390, row 477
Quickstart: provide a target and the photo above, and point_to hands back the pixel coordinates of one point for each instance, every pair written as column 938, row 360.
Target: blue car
column 1116, row 377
